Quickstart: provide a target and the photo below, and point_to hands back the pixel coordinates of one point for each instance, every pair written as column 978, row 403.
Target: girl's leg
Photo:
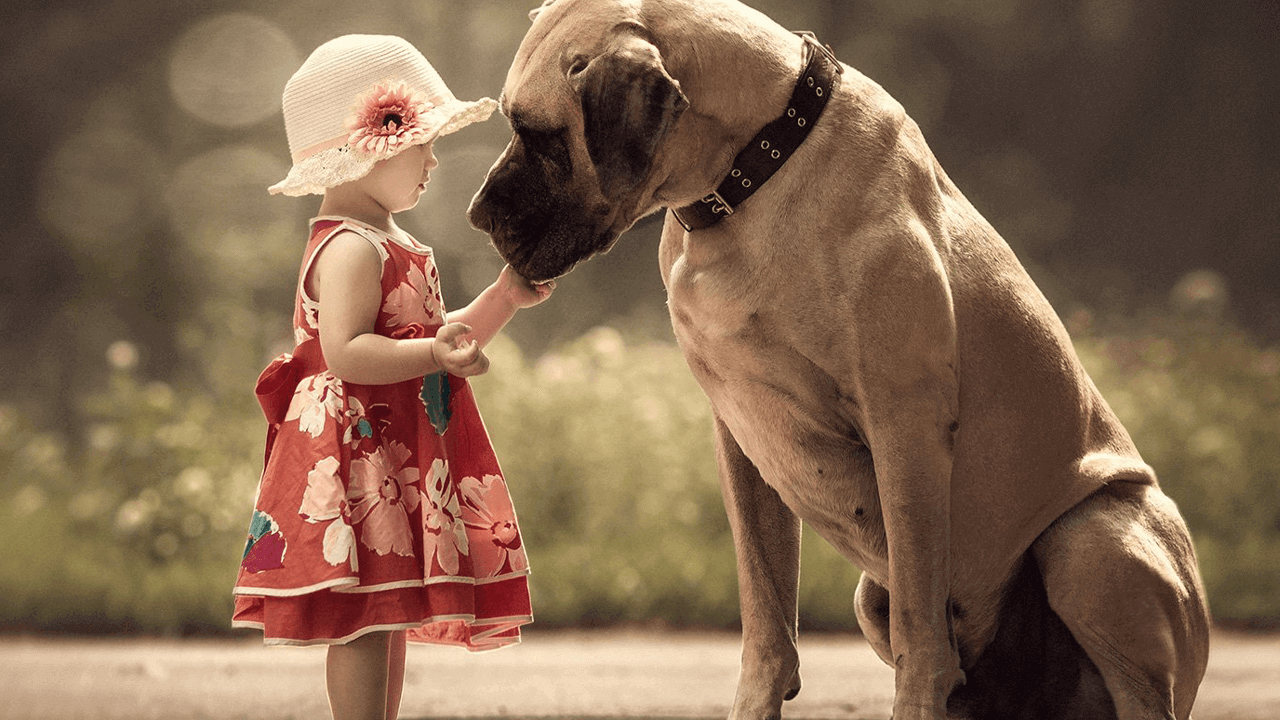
column 395, row 673
column 356, row 675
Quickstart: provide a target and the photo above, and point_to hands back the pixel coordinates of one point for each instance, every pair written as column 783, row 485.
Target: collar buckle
column 715, row 204
column 813, row 41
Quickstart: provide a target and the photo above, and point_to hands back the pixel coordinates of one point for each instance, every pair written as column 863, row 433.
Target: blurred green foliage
column 139, row 525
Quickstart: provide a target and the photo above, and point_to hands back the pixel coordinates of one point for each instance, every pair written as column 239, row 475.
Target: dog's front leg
column 904, row 378
column 766, row 536
column 913, row 475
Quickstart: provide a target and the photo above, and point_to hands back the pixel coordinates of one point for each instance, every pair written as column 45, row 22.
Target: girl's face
column 396, row 183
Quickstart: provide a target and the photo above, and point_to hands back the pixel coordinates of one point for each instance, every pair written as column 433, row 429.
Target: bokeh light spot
column 122, row 355
column 96, row 189
column 219, row 205
column 1201, row 292
column 230, row 70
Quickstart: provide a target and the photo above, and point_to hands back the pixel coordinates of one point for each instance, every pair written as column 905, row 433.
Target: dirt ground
column 599, row 674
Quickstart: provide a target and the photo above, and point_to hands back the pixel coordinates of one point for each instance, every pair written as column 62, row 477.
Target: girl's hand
column 524, row 294
column 457, row 356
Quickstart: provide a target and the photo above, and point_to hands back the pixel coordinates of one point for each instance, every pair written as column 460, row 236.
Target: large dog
column 879, row 363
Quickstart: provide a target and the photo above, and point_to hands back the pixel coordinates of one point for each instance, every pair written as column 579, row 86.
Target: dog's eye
column 579, row 64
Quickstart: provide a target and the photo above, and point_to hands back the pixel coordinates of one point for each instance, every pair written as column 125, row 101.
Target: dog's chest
column 790, row 417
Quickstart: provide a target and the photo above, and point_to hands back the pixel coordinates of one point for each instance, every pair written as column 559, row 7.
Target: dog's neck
column 738, row 69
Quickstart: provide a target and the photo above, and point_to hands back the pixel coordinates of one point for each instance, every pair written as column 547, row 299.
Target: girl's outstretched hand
column 457, row 356
column 523, row 293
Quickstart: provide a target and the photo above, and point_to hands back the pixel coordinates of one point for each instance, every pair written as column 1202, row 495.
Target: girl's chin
column 412, row 201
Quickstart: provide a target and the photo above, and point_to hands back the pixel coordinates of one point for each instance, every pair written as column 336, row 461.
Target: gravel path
column 580, row 674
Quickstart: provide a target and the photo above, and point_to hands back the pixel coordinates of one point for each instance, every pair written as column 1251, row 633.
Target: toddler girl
column 382, row 515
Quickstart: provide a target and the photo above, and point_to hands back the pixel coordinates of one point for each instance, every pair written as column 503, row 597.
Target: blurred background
column 1126, row 149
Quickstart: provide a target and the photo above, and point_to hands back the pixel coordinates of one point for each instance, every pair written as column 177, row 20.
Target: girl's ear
column 629, row 102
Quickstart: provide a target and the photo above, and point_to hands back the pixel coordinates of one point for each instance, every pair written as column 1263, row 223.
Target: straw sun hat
column 363, row 98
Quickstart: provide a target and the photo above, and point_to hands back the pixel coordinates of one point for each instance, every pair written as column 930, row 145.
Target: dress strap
column 376, row 238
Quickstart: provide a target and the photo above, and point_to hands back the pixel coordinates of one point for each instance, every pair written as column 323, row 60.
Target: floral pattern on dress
column 317, row 399
column 310, row 320
column 406, row 303
column 325, row 500
column 365, row 423
column 446, row 533
column 266, row 545
column 382, row 493
column 493, row 515
column 435, row 400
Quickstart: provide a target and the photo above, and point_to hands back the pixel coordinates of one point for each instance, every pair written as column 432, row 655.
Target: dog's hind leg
column 1120, row 571
column 766, row 535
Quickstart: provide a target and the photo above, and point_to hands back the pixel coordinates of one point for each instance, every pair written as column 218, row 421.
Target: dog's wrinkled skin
column 880, row 366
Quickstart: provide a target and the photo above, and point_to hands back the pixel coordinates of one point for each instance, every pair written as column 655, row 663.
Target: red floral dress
column 381, row 507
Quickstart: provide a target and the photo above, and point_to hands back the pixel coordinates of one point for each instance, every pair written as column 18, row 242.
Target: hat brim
column 336, row 166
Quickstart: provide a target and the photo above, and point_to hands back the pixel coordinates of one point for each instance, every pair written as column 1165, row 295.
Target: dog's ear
column 629, row 102
column 533, row 14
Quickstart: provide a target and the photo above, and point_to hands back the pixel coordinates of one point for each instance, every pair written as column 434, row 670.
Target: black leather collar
column 774, row 144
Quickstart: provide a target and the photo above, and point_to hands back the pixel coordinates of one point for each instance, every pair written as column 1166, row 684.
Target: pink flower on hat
column 388, row 119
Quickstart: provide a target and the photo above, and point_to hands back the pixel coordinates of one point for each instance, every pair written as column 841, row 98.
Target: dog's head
column 589, row 102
